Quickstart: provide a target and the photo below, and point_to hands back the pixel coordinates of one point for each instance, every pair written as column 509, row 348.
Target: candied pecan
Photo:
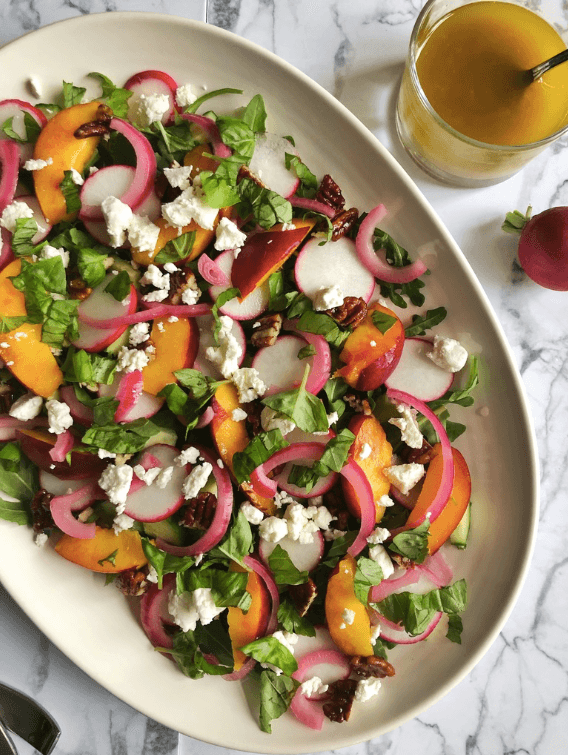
column 372, row 665
column 41, row 512
column 132, row 582
column 342, row 694
column 335, row 503
column 245, row 172
column 99, row 127
column 351, row 313
column 253, row 410
column 180, row 280
column 402, row 561
column 78, row 289
column 343, row 222
column 199, row 511
column 354, row 402
column 7, row 396
column 330, row 194
column 303, row 596
column 266, row 330
column 104, row 113
column 367, row 411
column 422, row 455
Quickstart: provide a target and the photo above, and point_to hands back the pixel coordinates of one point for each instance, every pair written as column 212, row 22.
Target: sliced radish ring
column 252, row 306
column 321, row 365
column 154, row 612
column 64, row 443
column 143, row 407
column 92, row 335
column 16, row 109
column 151, row 83
column 211, row 272
column 114, row 180
column 145, row 315
column 80, row 413
column 377, row 265
column 279, row 366
column 9, row 165
column 418, row 375
column 150, row 503
column 313, row 205
column 437, row 569
column 269, row 164
column 211, row 130
column 129, row 390
column 62, row 507
column 444, row 491
column 306, row 710
column 392, row 633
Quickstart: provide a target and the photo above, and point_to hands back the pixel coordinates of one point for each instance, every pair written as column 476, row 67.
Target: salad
column 210, row 393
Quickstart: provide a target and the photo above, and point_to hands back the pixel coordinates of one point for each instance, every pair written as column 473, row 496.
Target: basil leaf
column 237, row 135
column 276, row 693
column 11, row 323
column 190, row 659
column 382, row 321
column 171, row 142
column 454, row 430
column 119, row 286
column 194, row 107
column 260, row 449
column 381, row 646
column 218, row 191
column 304, row 409
column 72, row 95
column 15, row 511
column 237, row 543
column 333, row 459
column 165, row 563
column 70, row 191
column 421, row 323
column 199, row 384
column 283, row 570
column 266, row 207
column 18, row 476
column 412, row 543
column 116, row 98
column 31, row 129
column 306, row 351
column 323, row 325
column 335, row 389
column 127, row 438
column 255, row 114
column 228, row 588
column 61, row 321
column 82, row 367
column 270, row 650
column 91, row 266
column 367, row 574
column 455, row 628
column 177, row 249
column 26, row 229
column 213, row 638
column 308, row 182
column 338, row 549
column 222, row 299
column 291, row 620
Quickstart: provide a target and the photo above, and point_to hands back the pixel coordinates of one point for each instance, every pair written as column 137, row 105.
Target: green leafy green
column 333, row 459
column 111, row 558
column 126, row 438
column 228, row 588
column 115, row 97
column 119, row 286
column 307, row 351
column 11, row 323
column 70, row 191
column 72, row 95
column 398, row 257
column 260, row 449
column 266, row 207
column 91, row 266
column 308, row 182
column 382, row 321
column 283, row 570
column 218, row 187
column 194, row 107
column 303, row 408
column 222, row 299
column 18, row 476
column 26, row 229
column 165, row 563
column 455, row 628
column 291, row 620
column 323, row 325
column 271, row 650
column 255, row 114
column 460, row 396
column 177, row 249
column 338, row 549
column 367, row 574
column 237, row 135
column 421, row 323
column 276, row 693
column 237, row 543
column 516, row 221
column 335, row 389
column 412, row 543
column 31, row 129
column 190, row 659
column 83, row 367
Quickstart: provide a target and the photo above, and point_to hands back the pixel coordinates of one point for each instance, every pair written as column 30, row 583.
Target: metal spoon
column 7, row 746
column 535, row 73
column 26, row 718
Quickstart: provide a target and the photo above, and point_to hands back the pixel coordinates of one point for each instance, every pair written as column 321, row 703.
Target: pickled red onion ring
column 62, row 507
column 211, row 129
column 437, row 569
column 9, row 165
column 394, row 633
column 388, row 586
column 129, row 391
column 307, row 711
column 211, row 272
column 64, row 443
column 159, row 310
column 153, row 608
column 244, row 670
column 377, row 265
column 252, row 563
column 313, row 205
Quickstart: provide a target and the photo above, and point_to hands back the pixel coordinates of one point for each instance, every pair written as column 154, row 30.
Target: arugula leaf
column 421, row 323
column 367, row 574
column 70, row 191
column 72, row 95
column 177, row 249
column 255, row 114
column 26, row 229
column 283, row 570
column 398, row 257
column 91, row 266
column 31, row 129
column 291, row 620
column 237, row 135
column 237, row 543
column 412, row 543
column 382, row 321
column 11, row 323
column 266, row 206
column 260, row 449
column 18, row 476
column 165, row 563
column 116, row 98
column 307, row 351
column 119, row 286
column 460, row 396
column 82, row 367
column 276, row 693
column 308, row 182
column 303, row 408
column 454, row 430
column 194, row 107
column 323, row 325
column 201, row 388
column 271, row 650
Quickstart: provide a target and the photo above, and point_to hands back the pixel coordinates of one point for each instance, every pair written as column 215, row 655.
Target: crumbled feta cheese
column 26, row 407
column 164, row 477
column 190, row 607
column 196, row 479
column 151, row 108
column 190, row 205
column 373, row 344
column 191, row 293
column 313, row 686
column 228, row 235
column 300, row 526
column 385, row 501
column 158, row 294
column 58, row 416
column 365, row 451
column 333, row 534
column 288, row 226
column 49, row 252
column 288, row 639
column 348, row 617
column 178, row 176
column 375, row 633
column 35, row 87
column 327, row 298
column 76, row 177
column 187, row 456
column 13, row 212
column 379, row 554
column 169, row 267
column 248, row 383
column 103, row 454
column 185, row 95
column 448, row 354
column 152, row 575
column 147, row 475
column 139, row 333
column 115, row 481
column 238, row 414
column 173, row 318
column 271, row 420
column 281, row 498
column 378, row 536
column 272, row 529
column 122, row 522
column 130, row 360
column 38, row 164
column 155, row 277
column 408, row 426
column 117, row 217
column 142, row 233
column 404, row 476
column 332, row 418
column 225, row 356
column 320, row 515
column 40, row 539
column 366, row 689
column 252, row 514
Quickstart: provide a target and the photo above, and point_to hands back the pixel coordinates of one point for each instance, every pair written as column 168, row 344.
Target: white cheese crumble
column 103, row 454
column 301, row 527
column 225, row 356
column 152, row 575
column 365, row 451
column 448, row 354
column 164, row 478
column 190, row 205
column 408, row 426
column 38, row 164
column 190, row 607
column 169, row 267
column 251, row 513
column 187, row 456
column 288, row 226
column 366, row 689
column 26, row 407
column 379, row 554
column 196, row 479
column 13, row 212
column 404, row 476
column 313, row 686
column 191, row 293
column 327, row 298
column 173, row 318
column 122, row 522
column 76, row 177
column 228, row 236
column 117, row 217
column 272, row 529
column 130, row 360
column 151, row 108
column 155, row 277
column 375, row 633
column 178, row 176
column 115, row 481
column 40, row 539
column 58, row 416
column 320, row 515
column 139, row 333
column 238, row 414
column 185, row 95
column 146, row 475
column 142, row 233
column 49, row 252
column 385, row 501
column 35, row 87
column 281, row 498
column 272, row 420
column 378, row 536
column 248, row 383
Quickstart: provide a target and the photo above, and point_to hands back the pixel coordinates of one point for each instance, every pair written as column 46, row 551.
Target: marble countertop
column 516, row 699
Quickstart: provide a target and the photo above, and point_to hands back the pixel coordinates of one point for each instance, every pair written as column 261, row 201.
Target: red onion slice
column 64, row 443
column 377, row 265
column 129, row 391
column 160, row 310
column 307, row 711
column 393, row 633
column 212, row 132
column 10, row 425
column 388, row 586
column 9, row 165
column 211, row 272
column 6, row 253
column 313, row 205
column 80, row 413
column 244, row 670
column 205, row 418
column 252, row 563
column 62, row 507
column 437, row 569
column 154, row 609
column 358, row 479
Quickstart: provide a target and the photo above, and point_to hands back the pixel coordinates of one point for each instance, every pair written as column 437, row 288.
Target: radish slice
column 64, row 443
column 211, row 131
column 211, row 272
column 43, row 227
column 93, row 337
column 9, row 162
column 444, row 491
column 16, row 109
column 58, row 487
column 150, row 503
column 114, row 180
column 322, row 485
column 334, row 263
column 154, row 612
column 151, row 83
column 206, row 325
column 62, row 507
column 378, row 266
column 252, row 563
column 145, row 315
column 221, row 517
column 313, row 205
column 279, row 367
column 321, row 365
column 80, row 413
column 393, row 633
column 9, row 426
column 252, row 306
column 269, row 164
column 418, row 375
column 304, row 556
column 205, row 418
column 144, row 407
column 6, row 253
column 305, row 710
column 129, row 390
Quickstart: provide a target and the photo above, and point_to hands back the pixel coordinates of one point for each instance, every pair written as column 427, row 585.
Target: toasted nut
column 343, row 222
column 41, row 512
column 78, row 289
column 266, row 331
column 179, row 281
column 329, row 193
column 342, row 694
column 93, row 128
column 132, row 582
column 303, row 596
column 245, row 172
column 352, row 312
column 199, row 511
column 371, row 666
column 422, row 455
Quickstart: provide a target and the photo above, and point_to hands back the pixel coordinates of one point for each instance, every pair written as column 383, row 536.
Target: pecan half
column 179, row 281
column 423, row 455
column 41, row 512
column 303, row 596
column 402, row 561
column 253, row 410
column 343, row 222
column 78, row 289
column 99, row 127
column 342, row 694
column 199, row 511
column 7, row 396
column 132, row 582
column 372, row 665
column 245, row 172
column 329, row 193
column 335, row 503
column 266, row 330
column 351, row 313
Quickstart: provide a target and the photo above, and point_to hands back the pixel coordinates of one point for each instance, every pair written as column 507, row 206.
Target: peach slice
column 36, row 445
column 369, row 355
column 57, row 141
column 176, row 345
column 443, row 526
column 12, row 301
column 31, row 360
column 124, row 550
column 368, row 431
column 355, row 638
column 246, row 627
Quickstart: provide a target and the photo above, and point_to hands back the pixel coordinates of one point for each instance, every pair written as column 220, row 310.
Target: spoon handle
column 537, row 71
